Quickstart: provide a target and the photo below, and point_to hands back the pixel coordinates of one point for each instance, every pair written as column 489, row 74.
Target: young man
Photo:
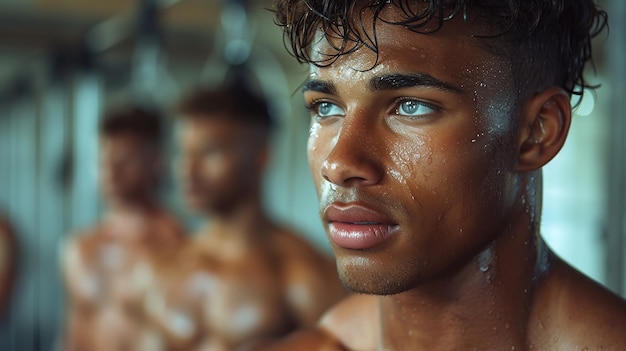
column 112, row 266
column 245, row 276
column 431, row 121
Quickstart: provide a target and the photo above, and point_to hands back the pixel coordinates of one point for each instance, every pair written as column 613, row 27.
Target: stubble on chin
column 359, row 276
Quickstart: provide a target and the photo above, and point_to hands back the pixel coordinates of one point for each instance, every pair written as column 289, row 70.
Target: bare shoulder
column 349, row 326
column 316, row 339
column 77, row 253
column 354, row 322
column 80, row 244
column 290, row 242
column 580, row 312
column 300, row 259
column 309, row 277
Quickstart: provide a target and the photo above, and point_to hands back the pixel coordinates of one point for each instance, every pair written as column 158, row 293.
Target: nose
column 354, row 159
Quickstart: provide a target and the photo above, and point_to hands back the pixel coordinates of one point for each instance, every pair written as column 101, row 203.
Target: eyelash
column 399, row 101
column 310, row 106
column 314, row 104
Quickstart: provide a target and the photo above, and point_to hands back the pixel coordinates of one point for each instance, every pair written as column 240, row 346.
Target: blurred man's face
column 218, row 163
column 413, row 159
column 128, row 167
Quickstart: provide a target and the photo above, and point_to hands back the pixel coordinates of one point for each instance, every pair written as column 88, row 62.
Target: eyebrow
column 386, row 82
column 400, row 81
column 320, row 86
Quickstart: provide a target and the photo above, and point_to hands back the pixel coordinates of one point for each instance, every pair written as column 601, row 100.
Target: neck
column 244, row 223
column 137, row 205
column 130, row 220
column 136, row 208
column 485, row 305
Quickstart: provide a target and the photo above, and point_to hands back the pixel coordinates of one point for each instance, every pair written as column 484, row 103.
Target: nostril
column 349, row 164
column 351, row 173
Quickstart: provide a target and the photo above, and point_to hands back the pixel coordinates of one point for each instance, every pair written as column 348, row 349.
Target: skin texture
column 243, row 279
column 457, row 187
column 111, row 267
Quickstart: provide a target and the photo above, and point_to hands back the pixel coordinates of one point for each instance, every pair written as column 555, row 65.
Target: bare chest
column 116, row 274
column 225, row 302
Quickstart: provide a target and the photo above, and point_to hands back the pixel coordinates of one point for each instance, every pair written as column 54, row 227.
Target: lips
column 356, row 227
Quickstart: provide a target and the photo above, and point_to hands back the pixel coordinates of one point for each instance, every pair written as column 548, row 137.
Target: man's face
column 413, row 159
column 128, row 167
column 218, row 162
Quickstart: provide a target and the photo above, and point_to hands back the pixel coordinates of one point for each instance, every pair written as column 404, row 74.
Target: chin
column 117, row 198
column 372, row 281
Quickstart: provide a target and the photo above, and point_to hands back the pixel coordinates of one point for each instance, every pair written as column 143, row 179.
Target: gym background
column 62, row 62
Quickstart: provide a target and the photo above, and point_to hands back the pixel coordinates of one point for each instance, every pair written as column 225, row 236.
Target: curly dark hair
column 142, row 122
column 547, row 42
column 232, row 100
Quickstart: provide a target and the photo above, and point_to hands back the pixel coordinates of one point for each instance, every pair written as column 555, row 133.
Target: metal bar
column 616, row 184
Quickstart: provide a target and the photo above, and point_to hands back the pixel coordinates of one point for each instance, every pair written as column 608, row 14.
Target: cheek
column 443, row 170
column 319, row 141
column 318, row 147
column 472, row 179
column 494, row 96
column 137, row 174
column 221, row 167
column 410, row 158
column 213, row 167
column 315, row 169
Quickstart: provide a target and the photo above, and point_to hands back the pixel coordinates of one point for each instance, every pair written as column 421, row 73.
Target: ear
column 546, row 119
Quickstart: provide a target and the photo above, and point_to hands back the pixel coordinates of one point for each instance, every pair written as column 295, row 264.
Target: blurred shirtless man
column 109, row 268
column 247, row 277
column 431, row 121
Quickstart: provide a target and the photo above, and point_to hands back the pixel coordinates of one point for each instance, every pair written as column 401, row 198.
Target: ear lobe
column 546, row 121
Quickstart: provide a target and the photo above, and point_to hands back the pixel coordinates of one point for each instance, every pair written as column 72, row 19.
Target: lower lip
column 360, row 236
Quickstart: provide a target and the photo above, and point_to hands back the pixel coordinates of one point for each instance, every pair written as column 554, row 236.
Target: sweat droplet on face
column 484, row 259
column 314, row 130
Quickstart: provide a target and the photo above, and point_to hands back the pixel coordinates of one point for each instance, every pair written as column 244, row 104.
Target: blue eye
column 327, row 109
column 413, row 108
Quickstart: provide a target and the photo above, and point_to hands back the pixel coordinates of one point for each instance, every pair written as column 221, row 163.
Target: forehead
column 123, row 139
column 211, row 127
column 452, row 52
column 127, row 144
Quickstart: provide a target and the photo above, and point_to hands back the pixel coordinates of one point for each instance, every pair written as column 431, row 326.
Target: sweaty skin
column 110, row 270
column 112, row 267
column 224, row 295
column 429, row 179
column 243, row 279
